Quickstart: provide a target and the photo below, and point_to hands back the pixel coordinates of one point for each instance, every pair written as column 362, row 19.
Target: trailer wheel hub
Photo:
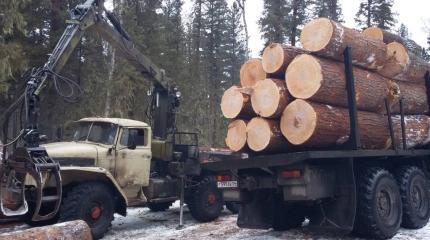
column 211, row 199
column 384, row 203
column 96, row 212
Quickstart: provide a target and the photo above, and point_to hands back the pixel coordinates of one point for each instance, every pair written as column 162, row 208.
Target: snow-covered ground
column 143, row 224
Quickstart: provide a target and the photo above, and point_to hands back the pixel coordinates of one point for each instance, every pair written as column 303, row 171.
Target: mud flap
column 257, row 209
column 339, row 213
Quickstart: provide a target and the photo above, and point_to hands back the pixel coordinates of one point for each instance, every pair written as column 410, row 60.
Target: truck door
column 133, row 157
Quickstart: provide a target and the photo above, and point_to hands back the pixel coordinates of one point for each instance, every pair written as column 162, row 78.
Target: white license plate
column 227, row 184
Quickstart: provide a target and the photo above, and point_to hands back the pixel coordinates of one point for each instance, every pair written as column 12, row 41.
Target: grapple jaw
column 44, row 198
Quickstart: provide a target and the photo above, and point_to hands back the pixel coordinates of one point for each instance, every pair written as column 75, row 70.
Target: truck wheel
column 414, row 191
column 159, row 207
column 91, row 202
column 233, row 207
column 379, row 206
column 206, row 201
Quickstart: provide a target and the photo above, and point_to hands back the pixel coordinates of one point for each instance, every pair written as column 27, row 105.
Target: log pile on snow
column 297, row 96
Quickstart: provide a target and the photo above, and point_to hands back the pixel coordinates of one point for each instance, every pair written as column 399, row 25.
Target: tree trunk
column 264, row 135
column 68, row 231
column 414, row 99
column 388, row 37
column 329, row 39
column 251, row 72
column 277, row 57
column 236, row 102
column 417, row 130
column 269, row 98
column 404, row 66
column 316, row 125
column 321, row 80
column 236, row 135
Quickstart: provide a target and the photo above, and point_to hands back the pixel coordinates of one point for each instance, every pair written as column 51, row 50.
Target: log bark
column 236, row 135
column 388, row 37
column 316, row 125
column 251, row 72
column 269, row 98
column 322, row 80
column 65, row 231
column 417, row 130
column 264, row 135
column 329, row 39
column 403, row 65
column 414, row 99
column 277, row 57
column 236, row 102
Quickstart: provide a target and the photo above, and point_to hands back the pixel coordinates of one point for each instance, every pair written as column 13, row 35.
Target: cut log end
column 265, row 98
column 316, row 35
column 374, row 32
column 232, row 102
column 273, row 58
column 298, row 122
column 236, row 135
column 304, row 76
column 397, row 60
column 251, row 72
column 258, row 134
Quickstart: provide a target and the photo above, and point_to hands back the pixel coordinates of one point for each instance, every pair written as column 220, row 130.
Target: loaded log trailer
column 350, row 187
column 111, row 163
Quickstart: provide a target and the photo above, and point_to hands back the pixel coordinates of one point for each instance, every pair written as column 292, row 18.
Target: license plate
column 227, row 184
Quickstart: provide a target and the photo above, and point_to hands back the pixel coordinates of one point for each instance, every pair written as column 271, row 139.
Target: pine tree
column 329, row 9
column 297, row 16
column 376, row 13
column 273, row 22
column 403, row 31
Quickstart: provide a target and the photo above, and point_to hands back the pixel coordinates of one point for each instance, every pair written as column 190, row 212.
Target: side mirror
column 131, row 143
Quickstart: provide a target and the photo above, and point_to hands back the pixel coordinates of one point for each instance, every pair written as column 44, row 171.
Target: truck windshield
column 98, row 132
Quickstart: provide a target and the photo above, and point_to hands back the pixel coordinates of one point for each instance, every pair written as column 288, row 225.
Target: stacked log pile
column 297, row 97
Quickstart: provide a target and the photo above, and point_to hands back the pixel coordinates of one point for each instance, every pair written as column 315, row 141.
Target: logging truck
column 111, row 163
column 337, row 132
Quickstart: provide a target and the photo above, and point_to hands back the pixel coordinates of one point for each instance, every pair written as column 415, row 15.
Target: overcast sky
column 413, row 13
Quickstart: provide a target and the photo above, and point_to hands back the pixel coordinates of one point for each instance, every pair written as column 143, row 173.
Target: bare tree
column 242, row 6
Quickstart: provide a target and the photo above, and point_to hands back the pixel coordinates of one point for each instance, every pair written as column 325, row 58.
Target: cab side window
column 138, row 135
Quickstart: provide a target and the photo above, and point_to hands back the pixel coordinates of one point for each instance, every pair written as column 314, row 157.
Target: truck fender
column 73, row 175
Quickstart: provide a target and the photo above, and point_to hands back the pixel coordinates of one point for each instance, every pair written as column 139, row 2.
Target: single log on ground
column 236, row 135
column 265, row 135
column 63, row 231
column 317, row 125
column 276, row 58
column 404, row 66
column 322, row 80
column 388, row 37
column 417, row 130
column 269, row 98
column 414, row 99
column 235, row 103
column 251, row 72
column 329, row 39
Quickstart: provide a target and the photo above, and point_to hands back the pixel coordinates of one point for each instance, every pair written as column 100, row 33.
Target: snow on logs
column 322, row 80
column 329, row 39
column 236, row 135
column 251, row 72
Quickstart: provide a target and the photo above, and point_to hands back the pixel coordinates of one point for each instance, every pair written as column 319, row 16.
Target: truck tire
column 379, row 206
column 91, row 202
column 233, row 207
column 414, row 191
column 159, row 207
column 206, row 202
